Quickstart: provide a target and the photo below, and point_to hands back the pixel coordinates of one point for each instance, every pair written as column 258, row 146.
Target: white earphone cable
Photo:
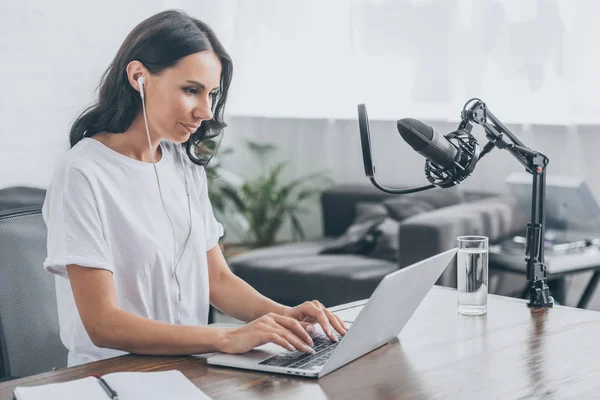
column 175, row 259
column 187, row 192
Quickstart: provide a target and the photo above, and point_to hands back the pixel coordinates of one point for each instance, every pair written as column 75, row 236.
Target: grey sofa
column 295, row 272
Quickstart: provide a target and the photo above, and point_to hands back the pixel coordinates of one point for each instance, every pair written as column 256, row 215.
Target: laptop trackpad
column 253, row 357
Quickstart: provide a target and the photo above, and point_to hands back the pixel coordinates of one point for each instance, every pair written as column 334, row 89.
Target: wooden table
column 512, row 353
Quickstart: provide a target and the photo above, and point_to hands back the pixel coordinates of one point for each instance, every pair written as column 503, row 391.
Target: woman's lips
column 189, row 128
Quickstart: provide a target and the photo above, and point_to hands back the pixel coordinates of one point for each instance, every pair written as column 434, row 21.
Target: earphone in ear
column 140, row 81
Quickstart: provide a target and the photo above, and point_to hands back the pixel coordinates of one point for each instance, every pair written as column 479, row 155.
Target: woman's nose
column 203, row 111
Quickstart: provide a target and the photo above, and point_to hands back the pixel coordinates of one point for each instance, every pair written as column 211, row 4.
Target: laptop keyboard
column 323, row 346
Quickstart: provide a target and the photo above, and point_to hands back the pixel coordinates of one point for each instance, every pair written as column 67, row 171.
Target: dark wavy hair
column 157, row 42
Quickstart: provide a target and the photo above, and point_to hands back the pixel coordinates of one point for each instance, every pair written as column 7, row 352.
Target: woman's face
column 181, row 97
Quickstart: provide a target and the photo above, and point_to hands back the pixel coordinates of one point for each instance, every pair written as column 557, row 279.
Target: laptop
column 385, row 314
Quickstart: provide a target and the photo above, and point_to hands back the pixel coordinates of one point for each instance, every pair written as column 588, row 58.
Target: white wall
column 53, row 53
column 52, row 56
column 535, row 60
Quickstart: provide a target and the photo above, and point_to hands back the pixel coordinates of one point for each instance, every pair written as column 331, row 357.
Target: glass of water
column 472, row 274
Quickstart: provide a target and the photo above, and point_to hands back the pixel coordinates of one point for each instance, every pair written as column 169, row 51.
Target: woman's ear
column 136, row 70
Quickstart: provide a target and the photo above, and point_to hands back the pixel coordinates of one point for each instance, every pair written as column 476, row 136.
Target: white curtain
column 531, row 61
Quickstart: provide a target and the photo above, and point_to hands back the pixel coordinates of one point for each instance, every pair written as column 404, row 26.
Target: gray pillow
column 386, row 240
column 385, row 233
column 408, row 205
column 359, row 238
column 373, row 234
column 365, row 211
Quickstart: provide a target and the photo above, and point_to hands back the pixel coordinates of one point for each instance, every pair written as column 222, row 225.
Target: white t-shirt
column 103, row 210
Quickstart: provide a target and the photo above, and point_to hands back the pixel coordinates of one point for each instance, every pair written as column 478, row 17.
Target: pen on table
column 109, row 391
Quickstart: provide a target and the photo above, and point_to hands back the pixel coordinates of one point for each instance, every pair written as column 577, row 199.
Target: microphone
column 450, row 158
column 427, row 142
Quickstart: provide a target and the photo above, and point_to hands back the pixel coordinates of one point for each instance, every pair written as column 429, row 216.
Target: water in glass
column 472, row 281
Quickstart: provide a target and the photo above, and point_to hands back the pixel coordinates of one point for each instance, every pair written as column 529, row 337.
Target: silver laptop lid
column 393, row 302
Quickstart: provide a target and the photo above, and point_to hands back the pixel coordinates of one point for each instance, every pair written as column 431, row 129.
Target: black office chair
column 29, row 328
column 21, row 196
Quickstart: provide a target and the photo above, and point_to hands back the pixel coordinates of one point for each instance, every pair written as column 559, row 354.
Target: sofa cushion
column 308, row 247
column 338, row 205
column 372, row 234
column 413, row 204
column 295, row 272
column 359, row 238
column 367, row 211
column 385, row 233
column 386, row 240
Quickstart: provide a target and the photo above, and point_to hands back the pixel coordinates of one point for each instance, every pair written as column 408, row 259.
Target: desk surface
column 511, row 353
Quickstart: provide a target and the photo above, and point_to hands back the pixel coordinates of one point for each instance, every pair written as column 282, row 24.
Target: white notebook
column 128, row 385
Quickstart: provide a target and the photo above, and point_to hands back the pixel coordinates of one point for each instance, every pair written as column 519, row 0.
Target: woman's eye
column 193, row 91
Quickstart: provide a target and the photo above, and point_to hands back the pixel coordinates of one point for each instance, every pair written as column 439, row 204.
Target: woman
column 130, row 225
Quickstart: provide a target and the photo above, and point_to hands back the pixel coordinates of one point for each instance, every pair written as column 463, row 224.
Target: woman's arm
column 109, row 326
column 234, row 296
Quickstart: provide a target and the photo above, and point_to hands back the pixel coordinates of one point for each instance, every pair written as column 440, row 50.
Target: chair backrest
column 21, row 196
column 29, row 329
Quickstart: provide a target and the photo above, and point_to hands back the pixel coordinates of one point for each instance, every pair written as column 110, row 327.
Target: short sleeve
column 72, row 217
column 212, row 228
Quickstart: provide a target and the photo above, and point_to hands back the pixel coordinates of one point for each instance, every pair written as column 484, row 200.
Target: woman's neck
column 132, row 143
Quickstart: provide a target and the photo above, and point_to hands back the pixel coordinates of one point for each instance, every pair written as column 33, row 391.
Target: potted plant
column 220, row 181
column 266, row 201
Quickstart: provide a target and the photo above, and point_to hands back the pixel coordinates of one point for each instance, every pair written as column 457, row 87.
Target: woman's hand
column 314, row 311
column 286, row 332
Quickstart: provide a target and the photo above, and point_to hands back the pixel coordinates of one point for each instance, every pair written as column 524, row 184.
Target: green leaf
column 265, row 201
column 297, row 230
column 233, row 196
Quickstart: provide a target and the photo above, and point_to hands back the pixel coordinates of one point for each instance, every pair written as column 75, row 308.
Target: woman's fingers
column 333, row 319
column 335, row 322
column 294, row 326
column 308, row 326
column 342, row 322
column 272, row 337
column 295, row 341
column 315, row 310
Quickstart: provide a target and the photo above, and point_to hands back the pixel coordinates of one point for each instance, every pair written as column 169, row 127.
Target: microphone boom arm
column 498, row 136
column 535, row 163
